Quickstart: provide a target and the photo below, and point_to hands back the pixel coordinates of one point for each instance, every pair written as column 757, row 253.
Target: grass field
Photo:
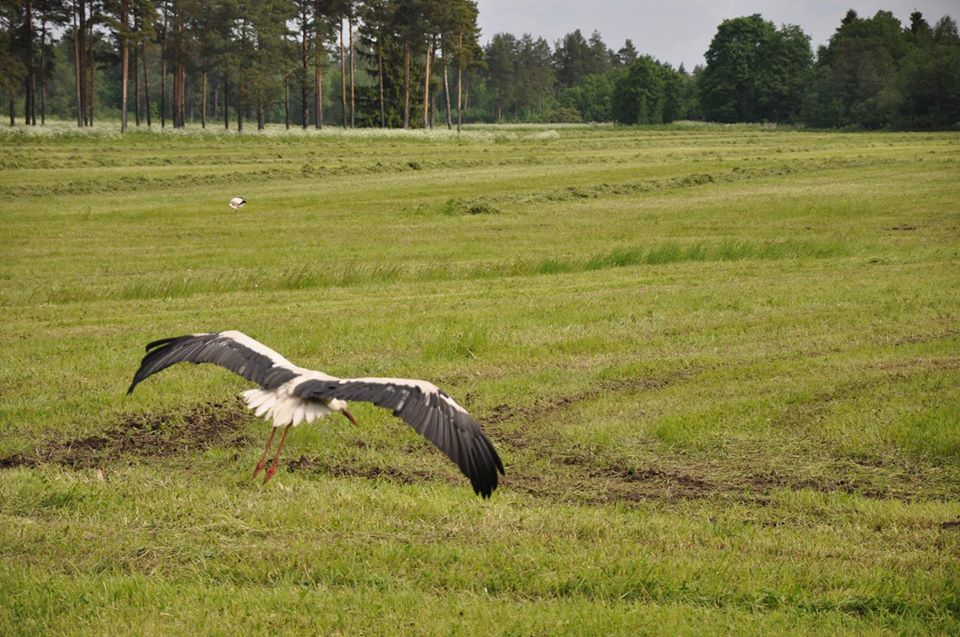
column 721, row 365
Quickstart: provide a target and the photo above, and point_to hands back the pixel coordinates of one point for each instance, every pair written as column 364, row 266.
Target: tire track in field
column 587, row 476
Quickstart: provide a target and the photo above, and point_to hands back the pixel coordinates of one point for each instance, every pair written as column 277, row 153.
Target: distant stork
column 290, row 395
column 237, row 202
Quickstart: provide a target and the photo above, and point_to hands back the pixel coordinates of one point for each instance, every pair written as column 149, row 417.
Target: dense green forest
column 421, row 63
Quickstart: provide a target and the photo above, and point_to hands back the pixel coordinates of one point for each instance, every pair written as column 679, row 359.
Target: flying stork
column 237, row 202
column 289, row 395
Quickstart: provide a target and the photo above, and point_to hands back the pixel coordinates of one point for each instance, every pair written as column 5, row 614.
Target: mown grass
column 721, row 364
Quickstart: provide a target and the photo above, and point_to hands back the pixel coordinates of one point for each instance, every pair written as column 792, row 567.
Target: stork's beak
column 349, row 416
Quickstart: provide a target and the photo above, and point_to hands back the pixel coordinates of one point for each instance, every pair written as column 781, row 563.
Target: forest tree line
column 420, row 63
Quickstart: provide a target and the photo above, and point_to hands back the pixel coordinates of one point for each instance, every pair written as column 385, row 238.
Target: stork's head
column 341, row 406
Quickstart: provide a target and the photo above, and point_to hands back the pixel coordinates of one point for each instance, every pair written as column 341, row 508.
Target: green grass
column 720, row 363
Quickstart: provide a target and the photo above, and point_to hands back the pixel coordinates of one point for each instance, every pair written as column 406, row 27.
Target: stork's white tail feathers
column 260, row 401
column 257, row 398
column 282, row 410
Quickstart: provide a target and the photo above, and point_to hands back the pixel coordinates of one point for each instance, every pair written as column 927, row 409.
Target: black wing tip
column 485, row 487
column 167, row 342
column 153, row 349
column 484, row 477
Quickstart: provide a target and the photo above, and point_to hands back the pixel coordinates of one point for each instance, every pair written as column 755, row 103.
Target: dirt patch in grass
column 319, row 465
column 156, row 435
column 607, row 485
column 587, row 480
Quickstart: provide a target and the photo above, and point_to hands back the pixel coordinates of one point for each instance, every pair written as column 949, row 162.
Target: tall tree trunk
column 175, row 95
column 43, row 70
column 77, row 63
column 178, row 102
column 183, row 71
column 179, row 72
column 318, row 83
column 183, row 98
column 304, row 56
column 353, row 99
column 203, row 98
column 124, row 83
column 124, row 65
column 446, row 93
column 135, row 63
column 426, row 85
column 26, row 101
column 226, row 103
column 286, row 100
column 261, row 120
column 30, row 97
column 240, row 106
column 318, row 66
column 137, row 101
column 91, row 70
column 383, row 110
column 459, row 96
column 146, row 85
column 163, row 68
column 82, row 61
column 343, row 78
column 175, row 89
column 318, row 93
column 163, row 90
column 406, row 84
column 13, row 109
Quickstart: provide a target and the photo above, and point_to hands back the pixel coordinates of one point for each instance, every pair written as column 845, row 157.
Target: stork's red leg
column 273, row 465
column 263, row 458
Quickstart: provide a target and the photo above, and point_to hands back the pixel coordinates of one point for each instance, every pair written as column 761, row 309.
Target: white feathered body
column 283, row 408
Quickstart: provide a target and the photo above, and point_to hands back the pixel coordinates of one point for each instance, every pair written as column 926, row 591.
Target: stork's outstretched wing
column 233, row 350
column 429, row 411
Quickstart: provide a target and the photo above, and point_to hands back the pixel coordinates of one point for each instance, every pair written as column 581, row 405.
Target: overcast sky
column 681, row 31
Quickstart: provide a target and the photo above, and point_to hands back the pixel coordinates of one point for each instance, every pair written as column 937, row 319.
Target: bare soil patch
column 154, row 435
column 319, row 465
